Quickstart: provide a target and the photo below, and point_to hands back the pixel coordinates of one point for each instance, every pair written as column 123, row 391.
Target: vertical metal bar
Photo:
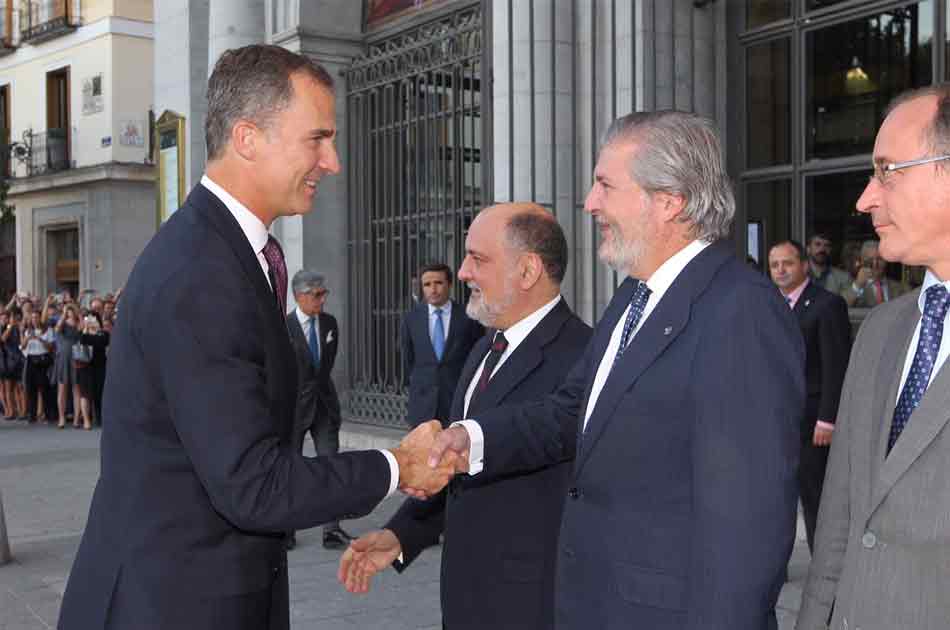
column 486, row 93
column 553, row 134
column 511, row 103
column 593, row 145
column 534, row 136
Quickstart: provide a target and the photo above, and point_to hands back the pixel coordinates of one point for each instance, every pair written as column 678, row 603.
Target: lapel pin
column 807, row 302
column 667, row 330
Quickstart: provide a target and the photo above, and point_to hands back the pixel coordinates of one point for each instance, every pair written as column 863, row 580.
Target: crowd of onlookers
column 53, row 357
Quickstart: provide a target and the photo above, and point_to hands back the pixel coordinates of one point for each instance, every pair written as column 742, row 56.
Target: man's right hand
column 416, row 477
column 365, row 557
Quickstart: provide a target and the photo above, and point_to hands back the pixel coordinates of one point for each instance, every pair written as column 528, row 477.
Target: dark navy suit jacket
column 431, row 382
column 681, row 507
column 501, row 534
column 198, row 478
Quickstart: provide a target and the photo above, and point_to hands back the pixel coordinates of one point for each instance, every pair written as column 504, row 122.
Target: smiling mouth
column 311, row 184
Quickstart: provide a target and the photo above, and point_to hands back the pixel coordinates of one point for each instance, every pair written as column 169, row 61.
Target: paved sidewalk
column 47, row 477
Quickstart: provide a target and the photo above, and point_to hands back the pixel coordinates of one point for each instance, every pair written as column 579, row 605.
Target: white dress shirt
column 304, row 320
column 658, row 283
column 256, row 233
column 929, row 280
column 446, row 319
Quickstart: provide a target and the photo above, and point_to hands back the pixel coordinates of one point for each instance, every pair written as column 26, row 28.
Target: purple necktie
column 274, row 256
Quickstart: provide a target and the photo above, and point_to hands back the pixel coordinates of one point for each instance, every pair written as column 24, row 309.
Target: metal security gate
column 417, row 177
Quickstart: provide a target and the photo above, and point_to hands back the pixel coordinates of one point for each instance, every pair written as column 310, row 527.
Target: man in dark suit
column 683, row 414
column 199, row 476
column 436, row 337
column 315, row 337
column 826, row 329
column 500, row 534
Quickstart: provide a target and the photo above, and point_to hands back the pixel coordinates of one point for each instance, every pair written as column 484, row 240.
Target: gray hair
column 253, row 83
column 305, row 281
column 936, row 133
column 539, row 234
column 680, row 153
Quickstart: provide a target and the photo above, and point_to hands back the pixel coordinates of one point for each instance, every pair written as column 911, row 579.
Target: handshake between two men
column 428, row 458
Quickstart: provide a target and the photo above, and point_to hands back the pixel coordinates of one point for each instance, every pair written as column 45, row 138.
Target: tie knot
column 272, row 251
column 499, row 343
column 937, row 303
column 641, row 294
column 437, row 312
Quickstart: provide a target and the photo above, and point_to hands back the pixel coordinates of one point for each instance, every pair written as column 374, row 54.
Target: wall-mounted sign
column 170, row 150
column 379, row 11
column 106, row 141
column 92, row 100
column 132, row 133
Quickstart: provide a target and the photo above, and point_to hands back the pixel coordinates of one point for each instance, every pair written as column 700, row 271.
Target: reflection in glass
column 768, row 212
column 759, row 12
column 768, row 131
column 811, row 5
column 855, row 68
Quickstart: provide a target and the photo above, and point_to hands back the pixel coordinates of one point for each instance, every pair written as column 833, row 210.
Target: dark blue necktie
column 438, row 335
column 638, row 302
column 928, row 345
column 314, row 342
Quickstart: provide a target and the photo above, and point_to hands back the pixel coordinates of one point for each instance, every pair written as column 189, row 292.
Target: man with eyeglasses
column 870, row 286
column 314, row 335
column 882, row 556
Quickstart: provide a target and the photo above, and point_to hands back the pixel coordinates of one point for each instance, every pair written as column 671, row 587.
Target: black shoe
column 336, row 539
column 290, row 542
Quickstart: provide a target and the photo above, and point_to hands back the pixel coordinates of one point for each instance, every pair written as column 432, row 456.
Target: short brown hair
column 253, row 83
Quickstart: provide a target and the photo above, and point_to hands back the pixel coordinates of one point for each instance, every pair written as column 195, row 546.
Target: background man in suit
column 881, row 553
column 684, row 413
column 825, row 275
column 871, row 287
column 199, row 476
column 315, row 337
column 436, row 337
column 826, row 329
column 502, row 542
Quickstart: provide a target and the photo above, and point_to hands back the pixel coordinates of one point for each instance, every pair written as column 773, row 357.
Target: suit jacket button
column 568, row 553
column 574, row 493
column 869, row 540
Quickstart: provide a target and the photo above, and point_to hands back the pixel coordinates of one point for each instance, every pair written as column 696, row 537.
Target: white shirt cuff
column 393, row 471
column 827, row 426
column 476, row 451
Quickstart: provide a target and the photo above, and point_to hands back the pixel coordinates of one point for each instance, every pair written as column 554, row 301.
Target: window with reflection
column 761, row 12
column 768, row 211
column 768, row 124
column 812, row 5
column 854, row 69
column 830, row 202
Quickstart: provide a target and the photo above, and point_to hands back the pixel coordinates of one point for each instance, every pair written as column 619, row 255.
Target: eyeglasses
column 882, row 171
column 319, row 293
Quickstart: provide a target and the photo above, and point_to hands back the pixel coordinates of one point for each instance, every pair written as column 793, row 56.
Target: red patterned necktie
column 277, row 270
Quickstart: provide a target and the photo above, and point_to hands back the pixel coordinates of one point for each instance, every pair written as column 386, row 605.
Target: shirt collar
column 254, row 229
column 446, row 308
column 792, row 297
column 304, row 319
column 663, row 278
column 516, row 333
column 930, row 279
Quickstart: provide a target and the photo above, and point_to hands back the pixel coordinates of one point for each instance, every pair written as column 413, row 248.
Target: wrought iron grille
column 43, row 19
column 417, row 178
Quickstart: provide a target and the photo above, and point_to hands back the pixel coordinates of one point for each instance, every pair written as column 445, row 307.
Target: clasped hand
column 429, row 457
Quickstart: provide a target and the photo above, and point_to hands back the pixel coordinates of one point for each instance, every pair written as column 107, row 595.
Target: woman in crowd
column 64, row 372
column 97, row 338
column 12, row 374
column 37, row 343
column 91, row 344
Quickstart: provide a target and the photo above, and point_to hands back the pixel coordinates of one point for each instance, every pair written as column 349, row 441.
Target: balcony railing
column 39, row 153
column 45, row 19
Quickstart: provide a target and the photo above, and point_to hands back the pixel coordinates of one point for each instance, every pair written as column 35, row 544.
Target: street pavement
column 46, row 482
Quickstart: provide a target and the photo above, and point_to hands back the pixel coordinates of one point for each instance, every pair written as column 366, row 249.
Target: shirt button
column 869, row 540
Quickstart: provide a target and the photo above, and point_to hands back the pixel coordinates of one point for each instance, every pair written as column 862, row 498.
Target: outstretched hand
column 365, row 557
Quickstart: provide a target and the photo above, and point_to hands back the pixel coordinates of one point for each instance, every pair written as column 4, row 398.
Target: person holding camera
column 12, row 374
column 37, row 343
column 871, row 287
column 64, row 371
column 90, row 373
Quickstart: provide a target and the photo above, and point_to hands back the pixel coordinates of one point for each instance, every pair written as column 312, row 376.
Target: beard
column 485, row 312
column 619, row 254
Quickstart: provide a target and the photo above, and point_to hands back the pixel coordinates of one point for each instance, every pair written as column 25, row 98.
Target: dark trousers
column 36, row 381
column 811, row 476
column 325, row 432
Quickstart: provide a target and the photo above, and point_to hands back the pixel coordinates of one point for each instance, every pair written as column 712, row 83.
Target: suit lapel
column 805, row 300
column 526, row 357
column 661, row 328
column 925, row 423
